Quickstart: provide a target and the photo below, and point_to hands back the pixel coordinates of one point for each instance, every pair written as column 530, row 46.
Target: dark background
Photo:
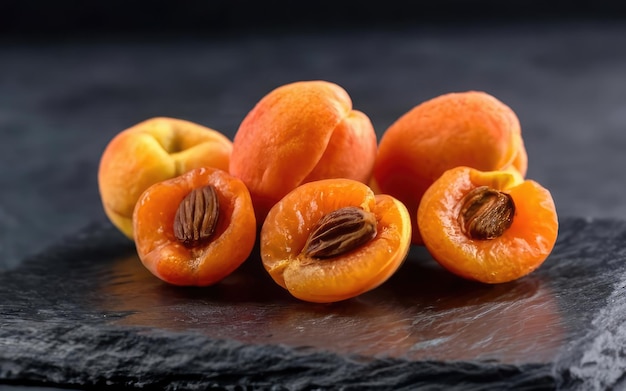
column 74, row 73
column 80, row 19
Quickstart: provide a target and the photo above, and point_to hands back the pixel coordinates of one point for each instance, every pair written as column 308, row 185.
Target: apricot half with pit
column 488, row 226
column 195, row 229
column 334, row 239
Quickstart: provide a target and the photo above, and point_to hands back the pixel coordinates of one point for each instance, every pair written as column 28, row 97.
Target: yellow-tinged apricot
column 471, row 128
column 298, row 133
column 152, row 151
column 195, row 229
column 334, row 239
column 491, row 227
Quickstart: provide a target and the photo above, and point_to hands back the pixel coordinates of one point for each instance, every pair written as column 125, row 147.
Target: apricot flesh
column 149, row 152
column 471, row 128
column 297, row 133
column 289, row 223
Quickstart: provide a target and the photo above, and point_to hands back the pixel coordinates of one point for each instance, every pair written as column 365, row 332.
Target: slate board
column 86, row 313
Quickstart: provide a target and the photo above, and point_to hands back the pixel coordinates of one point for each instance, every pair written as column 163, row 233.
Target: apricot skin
column 290, row 221
column 149, row 152
column 298, row 133
column 469, row 128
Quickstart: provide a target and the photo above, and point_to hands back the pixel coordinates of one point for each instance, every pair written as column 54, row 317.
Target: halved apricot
column 491, row 227
column 334, row 239
column 195, row 229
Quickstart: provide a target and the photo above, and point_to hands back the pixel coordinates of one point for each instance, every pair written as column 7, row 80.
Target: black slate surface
column 77, row 310
column 86, row 313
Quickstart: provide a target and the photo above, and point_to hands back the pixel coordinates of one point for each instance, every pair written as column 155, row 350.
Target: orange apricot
column 298, row 133
column 471, row 128
column 334, row 239
column 149, row 152
column 195, row 229
column 488, row 226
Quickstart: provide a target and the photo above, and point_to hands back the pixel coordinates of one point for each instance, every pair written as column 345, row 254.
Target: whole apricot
column 471, row 128
column 491, row 227
column 334, row 239
column 152, row 151
column 195, row 229
column 298, row 133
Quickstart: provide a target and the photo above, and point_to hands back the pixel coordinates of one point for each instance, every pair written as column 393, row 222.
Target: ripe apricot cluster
column 335, row 210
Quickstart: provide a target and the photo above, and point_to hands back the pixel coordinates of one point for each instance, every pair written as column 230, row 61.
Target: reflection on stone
column 421, row 313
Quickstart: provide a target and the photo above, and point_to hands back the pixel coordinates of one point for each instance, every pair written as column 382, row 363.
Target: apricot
column 298, row 133
column 334, row 239
column 471, row 128
column 149, row 152
column 492, row 227
column 195, row 229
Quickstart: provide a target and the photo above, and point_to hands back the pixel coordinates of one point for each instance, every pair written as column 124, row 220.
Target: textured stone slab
column 86, row 313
